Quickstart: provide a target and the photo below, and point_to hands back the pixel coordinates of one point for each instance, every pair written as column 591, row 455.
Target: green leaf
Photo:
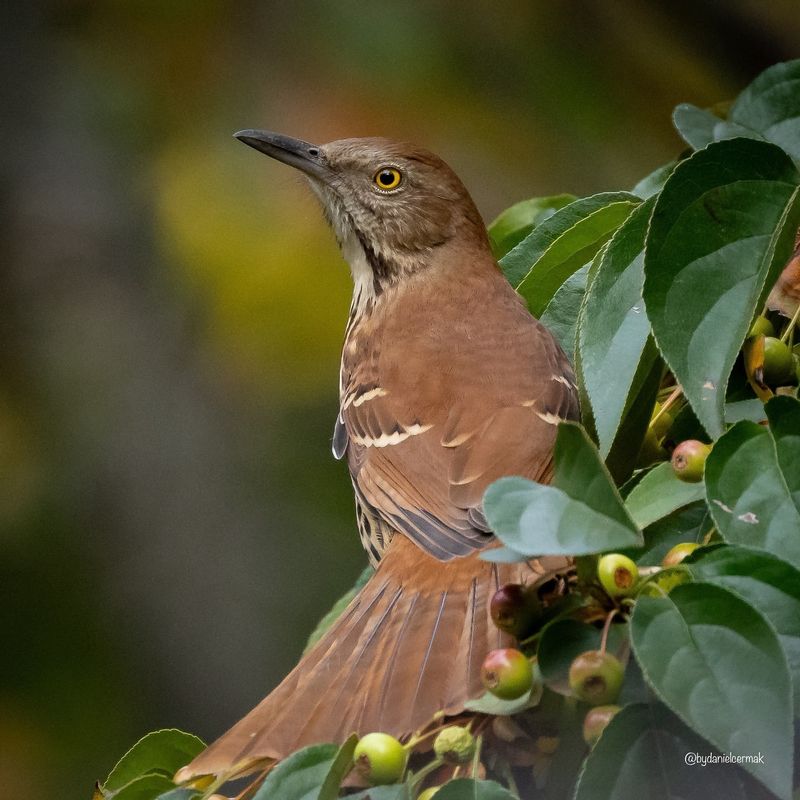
column 487, row 703
column 614, row 328
column 163, row 752
column 300, row 776
column 654, row 182
column 724, row 221
column 516, row 222
column 562, row 244
column 769, row 108
column 580, row 473
column 469, row 789
column 542, row 520
column 636, row 415
column 717, row 663
column 339, row 768
column 744, row 409
column 643, row 753
column 581, row 513
column 769, row 584
column 144, row 787
column 566, row 639
column 660, row 493
column 695, row 125
column 784, row 422
column 752, row 491
column 561, row 315
column 338, row 607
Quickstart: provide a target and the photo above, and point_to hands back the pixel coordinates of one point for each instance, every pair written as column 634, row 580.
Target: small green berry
column 455, row 745
column 514, row 609
column 507, row 673
column 778, row 363
column 380, row 758
column 595, row 722
column 617, row 574
column 761, row 327
column 689, row 460
column 428, row 793
column 678, row 553
column 596, row 677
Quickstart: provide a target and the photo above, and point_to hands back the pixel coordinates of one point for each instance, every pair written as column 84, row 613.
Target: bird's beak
column 296, row 153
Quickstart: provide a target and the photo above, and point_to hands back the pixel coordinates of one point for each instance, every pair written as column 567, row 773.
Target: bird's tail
column 409, row 645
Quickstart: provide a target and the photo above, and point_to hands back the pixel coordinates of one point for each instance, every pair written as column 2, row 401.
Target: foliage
column 147, row 769
column 669, row 279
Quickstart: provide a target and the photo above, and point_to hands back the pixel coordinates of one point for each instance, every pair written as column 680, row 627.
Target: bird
column 446, row 384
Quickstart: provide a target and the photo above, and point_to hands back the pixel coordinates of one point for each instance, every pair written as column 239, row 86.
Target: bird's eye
column 387, row 178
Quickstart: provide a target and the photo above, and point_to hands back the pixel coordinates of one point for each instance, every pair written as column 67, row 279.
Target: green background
column 171, row 521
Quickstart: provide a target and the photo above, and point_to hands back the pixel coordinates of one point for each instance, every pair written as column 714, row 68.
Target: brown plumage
column 447, row 383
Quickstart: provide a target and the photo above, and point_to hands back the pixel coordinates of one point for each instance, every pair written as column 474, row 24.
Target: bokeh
column 172, row 523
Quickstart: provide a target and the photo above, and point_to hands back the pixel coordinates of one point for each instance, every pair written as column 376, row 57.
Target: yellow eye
column 387, row 178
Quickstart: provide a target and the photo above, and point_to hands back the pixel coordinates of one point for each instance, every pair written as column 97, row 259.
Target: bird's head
column 392, row 205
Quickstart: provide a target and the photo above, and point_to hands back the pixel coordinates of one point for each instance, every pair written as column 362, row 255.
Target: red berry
column 596, row 677
column 689, row 460
column 595, row 722
column 507, row 673
column 514, row 609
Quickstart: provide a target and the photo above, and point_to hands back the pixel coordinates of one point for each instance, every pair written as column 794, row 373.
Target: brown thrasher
column 447, row 383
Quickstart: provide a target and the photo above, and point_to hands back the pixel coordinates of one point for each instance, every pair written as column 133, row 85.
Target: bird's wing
column 421, row 456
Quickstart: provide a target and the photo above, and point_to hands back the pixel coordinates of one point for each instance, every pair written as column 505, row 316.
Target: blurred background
column 172, row 524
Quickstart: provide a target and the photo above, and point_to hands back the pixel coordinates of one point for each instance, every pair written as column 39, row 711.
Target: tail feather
column 409, row 645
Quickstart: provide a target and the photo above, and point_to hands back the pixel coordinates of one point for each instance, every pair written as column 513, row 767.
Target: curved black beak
column 295, row 152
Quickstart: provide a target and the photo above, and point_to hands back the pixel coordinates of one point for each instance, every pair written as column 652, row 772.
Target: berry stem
column 676, row 393
column 606, row 628
column 790, row 327
column 421, row 737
